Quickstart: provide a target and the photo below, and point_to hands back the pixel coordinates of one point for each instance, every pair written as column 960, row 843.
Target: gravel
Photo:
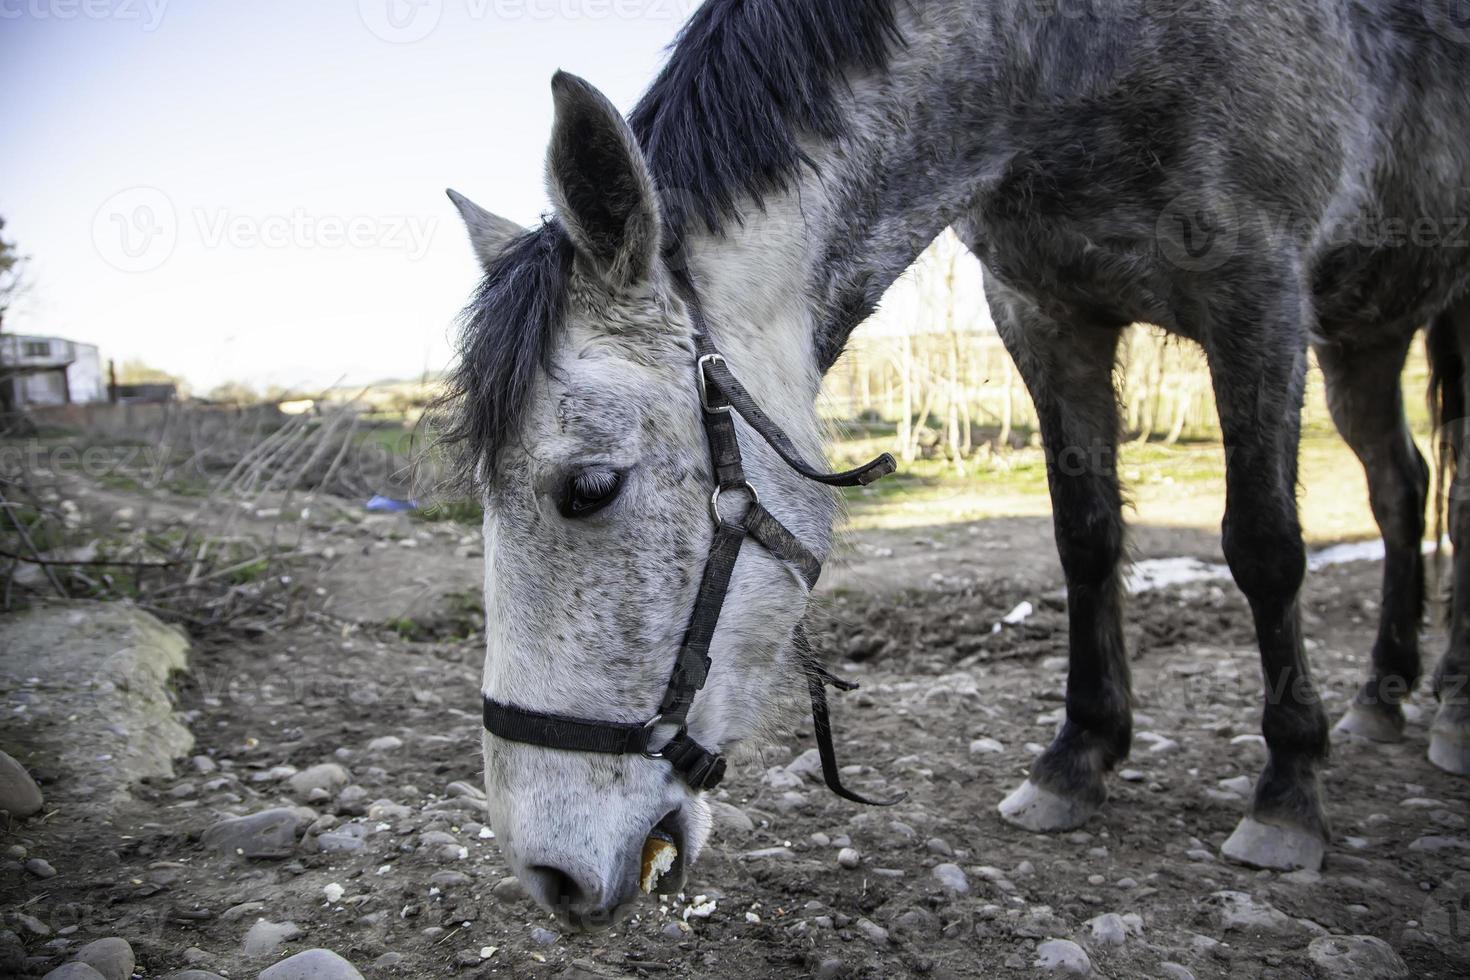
column 403, row 913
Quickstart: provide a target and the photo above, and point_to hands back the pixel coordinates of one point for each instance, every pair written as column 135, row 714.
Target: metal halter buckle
column 704, row 385
column 714, row 501
column 653, row 723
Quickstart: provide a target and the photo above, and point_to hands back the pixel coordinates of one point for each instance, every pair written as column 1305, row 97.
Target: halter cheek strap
column 721, row 397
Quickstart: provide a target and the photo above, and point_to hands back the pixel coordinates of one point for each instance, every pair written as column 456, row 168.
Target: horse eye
column 588, row 491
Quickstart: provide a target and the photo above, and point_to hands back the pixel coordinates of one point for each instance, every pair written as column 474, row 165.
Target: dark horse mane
column 722, row 123
column 747, row 79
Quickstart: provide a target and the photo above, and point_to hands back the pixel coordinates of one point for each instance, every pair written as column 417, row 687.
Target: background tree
column 11, row 283
column 10, row 289
column 233, row 393
column 136, row 372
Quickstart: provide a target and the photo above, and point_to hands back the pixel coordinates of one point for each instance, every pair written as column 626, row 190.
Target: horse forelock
column 507, row 335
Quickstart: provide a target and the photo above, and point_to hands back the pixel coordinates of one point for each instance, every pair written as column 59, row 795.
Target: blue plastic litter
column 380, row 504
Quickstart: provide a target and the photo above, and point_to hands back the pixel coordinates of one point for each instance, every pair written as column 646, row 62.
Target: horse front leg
column 1068, row 369
column 1257, row 349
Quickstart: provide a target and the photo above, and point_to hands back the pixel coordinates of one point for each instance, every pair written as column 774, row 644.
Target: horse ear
column 599, row 182
column 489, row 233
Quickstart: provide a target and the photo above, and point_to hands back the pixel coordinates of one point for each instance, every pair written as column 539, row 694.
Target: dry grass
column 222, row 532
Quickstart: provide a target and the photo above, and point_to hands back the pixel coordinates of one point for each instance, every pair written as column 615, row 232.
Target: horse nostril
column 562, row 891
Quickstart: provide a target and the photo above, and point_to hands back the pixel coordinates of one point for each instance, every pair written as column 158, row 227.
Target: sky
column 253, row 190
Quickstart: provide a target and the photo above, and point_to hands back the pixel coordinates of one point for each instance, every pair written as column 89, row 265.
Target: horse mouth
column 662, row 872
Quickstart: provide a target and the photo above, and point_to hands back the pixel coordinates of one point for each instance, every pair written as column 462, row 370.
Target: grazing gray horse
column 1259, row 177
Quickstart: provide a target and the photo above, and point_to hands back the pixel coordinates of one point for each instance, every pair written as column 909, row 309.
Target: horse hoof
column 1265, row 845
column 1449, row 746
column 1041, row 811
column 1374, row 724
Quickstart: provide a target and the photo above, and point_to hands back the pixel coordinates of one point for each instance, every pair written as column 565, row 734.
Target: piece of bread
column 659, row 853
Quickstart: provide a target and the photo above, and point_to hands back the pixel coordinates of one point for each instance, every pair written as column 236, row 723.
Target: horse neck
column 774, row 287
column 788, row 282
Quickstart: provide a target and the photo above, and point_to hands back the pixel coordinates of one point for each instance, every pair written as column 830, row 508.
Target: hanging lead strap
column 817, row 679
column 720, row 392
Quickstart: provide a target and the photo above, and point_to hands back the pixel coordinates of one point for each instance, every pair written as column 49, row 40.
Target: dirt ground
column 396, row 873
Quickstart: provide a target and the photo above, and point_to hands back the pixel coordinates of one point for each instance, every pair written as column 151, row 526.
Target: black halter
column 721, row 395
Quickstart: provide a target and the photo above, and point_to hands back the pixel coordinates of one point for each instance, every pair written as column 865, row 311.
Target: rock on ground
column 267, row 834
column 328, row 776
column 1108, row 929
column 728, row 817
column 1237, row 910
column 113, row 958
column 100, row 714
column 73, row 971
column 264, row 938
column 19, row 794
column 952, row 878
column 1062, row 956
column 1356, row 958
column 876, row 934
column 509, row 889
column 40, row 867
column 313, row 964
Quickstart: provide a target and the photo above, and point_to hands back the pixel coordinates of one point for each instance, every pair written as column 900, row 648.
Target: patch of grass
column 465, row 511
column 252, row 572
column 406, row 628
column 1178, row 485
column 462, row 617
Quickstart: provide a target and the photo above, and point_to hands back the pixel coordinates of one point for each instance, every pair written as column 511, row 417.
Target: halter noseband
column 721, row 396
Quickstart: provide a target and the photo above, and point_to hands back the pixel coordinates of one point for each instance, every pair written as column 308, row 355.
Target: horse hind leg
column 1068, row 370
column 1365, row 398
column 1449, row 737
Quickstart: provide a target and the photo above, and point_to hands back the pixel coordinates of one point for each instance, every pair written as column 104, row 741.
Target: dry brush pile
column 199, row 519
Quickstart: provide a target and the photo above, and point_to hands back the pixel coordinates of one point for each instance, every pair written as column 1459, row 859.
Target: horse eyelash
column 596, row 482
